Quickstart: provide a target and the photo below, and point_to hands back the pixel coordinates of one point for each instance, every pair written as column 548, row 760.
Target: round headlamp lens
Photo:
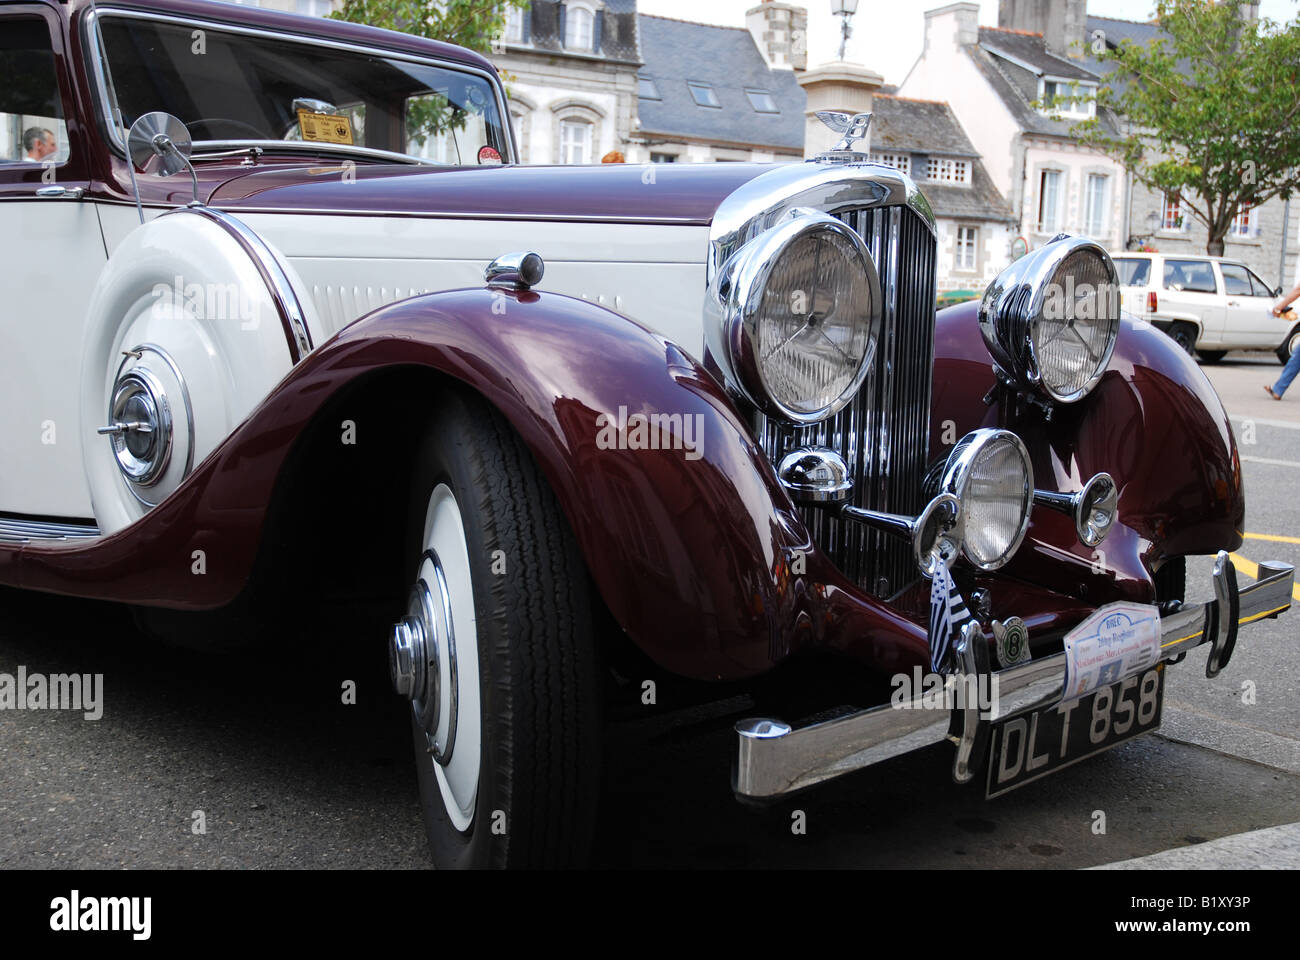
column 990, row 471
column 1073, row 337
column 812, row 330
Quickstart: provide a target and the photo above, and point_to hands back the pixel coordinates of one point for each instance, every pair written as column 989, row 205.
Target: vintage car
column 293, row 345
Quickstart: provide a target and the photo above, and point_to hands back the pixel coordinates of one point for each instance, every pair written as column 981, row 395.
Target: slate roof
column 1116, row 32
column 907, row 125
column 924, row 128
column 1012, row 61
column 1030, row 49
column 675, row 51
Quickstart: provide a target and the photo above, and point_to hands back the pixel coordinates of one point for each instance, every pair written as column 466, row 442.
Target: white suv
column 1208, row 305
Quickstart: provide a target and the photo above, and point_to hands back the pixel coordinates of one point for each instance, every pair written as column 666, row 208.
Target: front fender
column 688, row 541
column 1154, row 423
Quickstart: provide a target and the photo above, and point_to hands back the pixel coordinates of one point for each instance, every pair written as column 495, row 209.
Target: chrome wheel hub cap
column 433, row 660
column 421, row 643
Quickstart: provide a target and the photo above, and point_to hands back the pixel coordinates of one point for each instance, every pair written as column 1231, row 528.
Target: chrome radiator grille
column 884, row 433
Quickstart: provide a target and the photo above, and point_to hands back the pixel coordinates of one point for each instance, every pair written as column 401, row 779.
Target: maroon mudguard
column 692, row 554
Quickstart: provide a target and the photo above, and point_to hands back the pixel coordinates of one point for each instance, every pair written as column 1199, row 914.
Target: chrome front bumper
column 773, row 758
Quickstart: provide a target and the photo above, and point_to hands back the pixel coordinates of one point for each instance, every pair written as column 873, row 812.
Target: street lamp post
column 844, row 9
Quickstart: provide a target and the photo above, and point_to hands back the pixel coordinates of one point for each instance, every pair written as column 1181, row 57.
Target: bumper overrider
column 774, row 758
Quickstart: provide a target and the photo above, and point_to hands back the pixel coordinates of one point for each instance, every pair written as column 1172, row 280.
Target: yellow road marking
column 1271, row 537
column 1252, row 570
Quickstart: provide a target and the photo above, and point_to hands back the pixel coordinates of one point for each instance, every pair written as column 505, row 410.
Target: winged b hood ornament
column 852, row 127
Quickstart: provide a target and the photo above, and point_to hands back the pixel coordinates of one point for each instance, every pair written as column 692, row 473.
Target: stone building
column 994, row 78
column 975, row 225
column 570, row 67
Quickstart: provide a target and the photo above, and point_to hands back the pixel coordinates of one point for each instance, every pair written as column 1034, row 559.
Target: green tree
column 1209, row 110
column 474, row 24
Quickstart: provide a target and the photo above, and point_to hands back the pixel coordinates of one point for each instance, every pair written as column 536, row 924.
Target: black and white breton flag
column 948, row 617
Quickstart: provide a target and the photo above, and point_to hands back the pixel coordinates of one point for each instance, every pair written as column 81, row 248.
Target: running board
column 15, row 530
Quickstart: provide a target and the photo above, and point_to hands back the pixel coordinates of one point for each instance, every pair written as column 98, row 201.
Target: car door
column 1276, row 329
column 52, row 251
column 1248, row 319
column 1190, row 291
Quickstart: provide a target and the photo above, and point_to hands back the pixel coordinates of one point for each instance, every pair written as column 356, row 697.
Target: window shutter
column 597, row 31
column 526, row 26
column 564, row 25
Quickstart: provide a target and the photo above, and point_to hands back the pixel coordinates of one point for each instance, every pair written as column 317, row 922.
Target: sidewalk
column 1273, row 848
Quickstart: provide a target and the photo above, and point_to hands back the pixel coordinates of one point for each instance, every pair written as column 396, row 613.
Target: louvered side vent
column 883, row 434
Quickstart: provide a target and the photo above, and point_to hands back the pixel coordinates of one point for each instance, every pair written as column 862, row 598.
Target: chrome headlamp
column 1051, row 318
column 990, row 473
column 799, row 317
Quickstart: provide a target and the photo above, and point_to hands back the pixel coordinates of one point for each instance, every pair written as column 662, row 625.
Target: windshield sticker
column 325, row 127
column 488, row 155
column 1118, row 640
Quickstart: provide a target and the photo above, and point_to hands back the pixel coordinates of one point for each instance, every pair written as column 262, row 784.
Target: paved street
column 286, row 775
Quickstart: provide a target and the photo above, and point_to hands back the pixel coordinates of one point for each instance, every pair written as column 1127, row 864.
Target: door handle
column 60, row 193
column 1233, row 303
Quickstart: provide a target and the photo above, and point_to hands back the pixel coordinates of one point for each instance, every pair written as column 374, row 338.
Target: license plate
column 1032, row 745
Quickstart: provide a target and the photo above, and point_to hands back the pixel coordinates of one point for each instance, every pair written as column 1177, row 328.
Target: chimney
column 1063, row 23
column 780, row 32
column 956, row 25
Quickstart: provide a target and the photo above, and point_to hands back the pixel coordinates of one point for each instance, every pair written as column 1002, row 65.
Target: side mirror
column 1277, row 292
column 160, row 136
column 163, row 138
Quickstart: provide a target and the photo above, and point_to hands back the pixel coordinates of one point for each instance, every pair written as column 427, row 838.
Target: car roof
column 1201, row 257
column 287, row 23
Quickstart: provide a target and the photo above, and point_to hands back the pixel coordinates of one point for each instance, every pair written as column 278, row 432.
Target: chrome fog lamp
column 819, row 476
column 1050, row 320
column 1093, row 508
column 815, row 475
column 989, row 472
column 799, row 317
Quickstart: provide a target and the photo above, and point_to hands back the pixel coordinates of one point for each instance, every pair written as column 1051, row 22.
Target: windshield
column 231, row 86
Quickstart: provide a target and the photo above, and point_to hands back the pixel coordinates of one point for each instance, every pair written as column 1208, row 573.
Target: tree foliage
column 1209, row 110
column 473, row 24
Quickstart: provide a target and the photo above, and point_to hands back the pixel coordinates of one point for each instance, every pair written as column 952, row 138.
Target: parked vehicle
column 1207, row 305
column 321, row 357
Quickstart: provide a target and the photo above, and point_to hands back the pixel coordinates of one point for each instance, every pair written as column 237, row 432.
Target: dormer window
column 703, row 94
column 1084, row 106
column 761, row 101
column 579, row 28
column 646, row 88
column 899, row 161
column 947, row 170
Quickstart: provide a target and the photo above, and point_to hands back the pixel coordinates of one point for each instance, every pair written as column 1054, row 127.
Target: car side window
column 32, row 129
column 1258, row 288
column 1133, row 273
column 1190, row 276
column 1235, row 281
